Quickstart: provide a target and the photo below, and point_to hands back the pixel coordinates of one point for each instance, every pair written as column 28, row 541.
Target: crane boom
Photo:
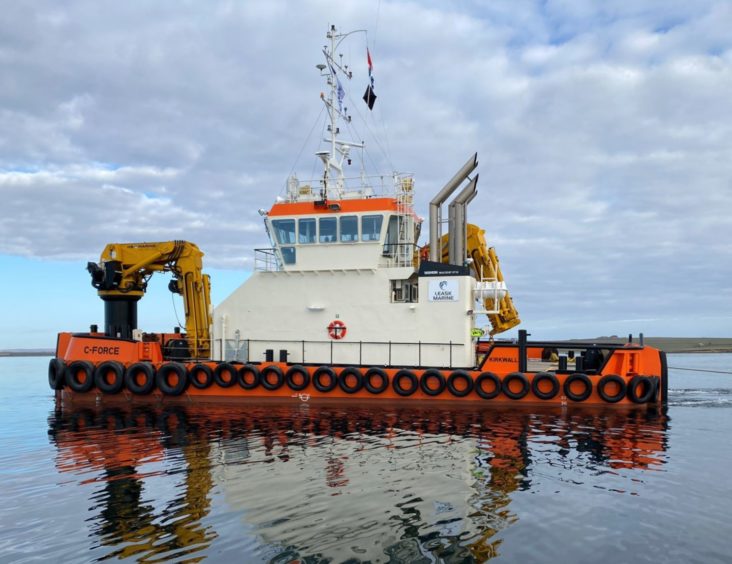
column 485, row 265
column 121, row 279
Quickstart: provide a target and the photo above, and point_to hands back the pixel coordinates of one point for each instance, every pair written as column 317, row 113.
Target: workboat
column 345, row 305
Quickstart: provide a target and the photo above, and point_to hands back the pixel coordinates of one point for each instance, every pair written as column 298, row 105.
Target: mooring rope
column 700, row 370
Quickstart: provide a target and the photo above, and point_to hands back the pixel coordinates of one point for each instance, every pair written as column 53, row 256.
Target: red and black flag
column 370, row 96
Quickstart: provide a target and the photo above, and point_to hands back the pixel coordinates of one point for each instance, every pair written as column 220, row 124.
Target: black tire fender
column 290, row 377
column 332, row 379
column 540, row 377
column 520, row 377
column 101, row 374
column 200, row 376
column 578, row 377
column 611, row 379
column 397, row 383
column 72, row 376
column 460, row 375
column 56, row 374
column 432, row 374
column 163, row 382
column 368, row 380
column 133, row 370
column 343, row 380
column 649, row 389
column 222, row 369
column 478, row 385
column 279, row 377
column 242, row 376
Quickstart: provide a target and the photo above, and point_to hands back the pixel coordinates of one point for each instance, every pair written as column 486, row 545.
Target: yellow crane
column 485, row 266
column 121, row 279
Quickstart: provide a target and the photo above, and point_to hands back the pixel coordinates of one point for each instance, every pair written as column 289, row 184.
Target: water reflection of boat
column 367, row 483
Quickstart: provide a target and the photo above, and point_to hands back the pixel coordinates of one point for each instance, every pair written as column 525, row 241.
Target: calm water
column 357, row 483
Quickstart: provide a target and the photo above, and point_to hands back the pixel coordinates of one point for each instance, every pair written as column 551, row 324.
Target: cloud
column 603, row 133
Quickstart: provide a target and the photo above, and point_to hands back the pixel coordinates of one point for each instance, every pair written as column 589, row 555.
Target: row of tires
column 173, row 379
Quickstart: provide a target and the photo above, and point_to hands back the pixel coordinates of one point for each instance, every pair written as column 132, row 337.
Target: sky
column 603, row 132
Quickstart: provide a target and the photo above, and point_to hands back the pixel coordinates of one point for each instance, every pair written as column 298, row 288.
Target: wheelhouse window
column 371, row 227
column 328, row 230
column 284, row 231
column 306, row 231
column 288, row 255
column 349, row 228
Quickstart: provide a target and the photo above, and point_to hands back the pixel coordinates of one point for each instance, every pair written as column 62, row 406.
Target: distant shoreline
column 27, row 353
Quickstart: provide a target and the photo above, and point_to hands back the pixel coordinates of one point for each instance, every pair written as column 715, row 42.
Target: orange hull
column 88, row 367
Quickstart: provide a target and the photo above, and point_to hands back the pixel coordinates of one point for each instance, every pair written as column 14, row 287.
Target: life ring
column 225, row 375
column 578, row 377
column 455, row 390
column 200, row 376
column 292, row 373
column 162, row 379
column 244, row 382
column 649, row 389
column 522, row 379
column 267, row 384
column 611, row 379
column 56, row 369
column 332, row 379
column 337, row 329
column 353, row 372
column 73, row 373
column 102, row 375
column 487, row 376
column 432, row 374
column 132, row 374
column 545, row 377
column 397, row 383
column 368, row 383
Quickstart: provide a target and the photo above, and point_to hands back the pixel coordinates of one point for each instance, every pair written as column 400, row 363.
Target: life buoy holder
column 545, row 377
column 329, row 373
column 515, row 377
column 405, row 375
column 487, row 377
column 291, row 378
column 460, row 391
column 432, row 374
column 337, row 329
column 649, row 386
column 109, row 377
column 243, row 376
column 371, row 375
column 56, row 370
column 132, row 375
column 80, row 376
column 586, row 383
column 163, row 379
column 343, row 380
column 200, row 376
column 225, row 375
column 609, row 380
column 268, row 384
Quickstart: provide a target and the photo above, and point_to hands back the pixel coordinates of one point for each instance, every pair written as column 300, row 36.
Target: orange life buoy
column 337, row 329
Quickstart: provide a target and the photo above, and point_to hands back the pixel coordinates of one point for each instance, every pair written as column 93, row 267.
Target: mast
column 334, row 158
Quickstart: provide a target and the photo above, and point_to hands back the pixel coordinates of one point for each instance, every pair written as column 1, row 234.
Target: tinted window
column 288, row 255
column 284, row 230
column 371, row 227
column 306, row 231
column 328, row 230
column 349, row 228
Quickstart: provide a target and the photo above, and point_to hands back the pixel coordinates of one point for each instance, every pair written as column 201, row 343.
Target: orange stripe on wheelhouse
column 334, row 206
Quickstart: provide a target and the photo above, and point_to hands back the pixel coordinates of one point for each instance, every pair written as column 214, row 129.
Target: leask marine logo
column 443, row 285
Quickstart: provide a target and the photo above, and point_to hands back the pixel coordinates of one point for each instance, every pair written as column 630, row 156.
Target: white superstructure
column 343, row 282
